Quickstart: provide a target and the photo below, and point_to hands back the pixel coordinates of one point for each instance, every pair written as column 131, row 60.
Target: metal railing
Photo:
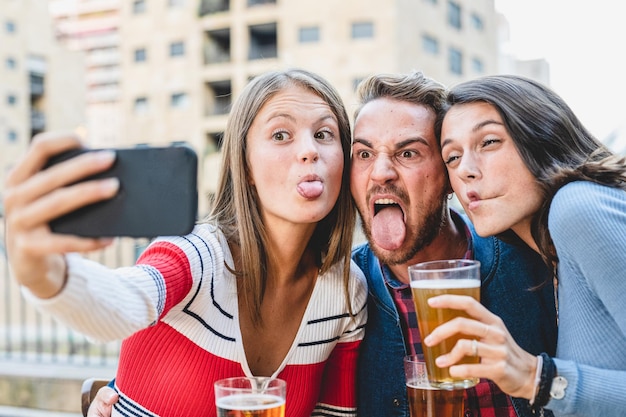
column 28, row 336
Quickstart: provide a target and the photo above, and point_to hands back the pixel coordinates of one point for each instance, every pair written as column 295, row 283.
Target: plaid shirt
column 483, row 400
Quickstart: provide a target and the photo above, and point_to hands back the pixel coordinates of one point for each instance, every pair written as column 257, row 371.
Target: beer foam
column 249, row 402
column 445, row 284
column 421, row 385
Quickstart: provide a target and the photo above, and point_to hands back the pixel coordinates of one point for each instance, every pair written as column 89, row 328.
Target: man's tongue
column 388, row 228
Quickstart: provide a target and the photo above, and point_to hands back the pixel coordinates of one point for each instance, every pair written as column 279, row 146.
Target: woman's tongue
column 388, row 228
column 310, row 189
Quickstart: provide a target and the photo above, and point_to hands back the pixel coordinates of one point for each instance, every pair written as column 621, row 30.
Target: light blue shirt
column 587, row 222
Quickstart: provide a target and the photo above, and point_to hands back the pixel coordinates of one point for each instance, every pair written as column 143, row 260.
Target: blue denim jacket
column 508, row 273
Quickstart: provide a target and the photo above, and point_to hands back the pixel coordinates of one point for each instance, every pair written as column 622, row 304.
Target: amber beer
column 460, row 277
column 251, row 405
column 250, row 397
column 428, row 401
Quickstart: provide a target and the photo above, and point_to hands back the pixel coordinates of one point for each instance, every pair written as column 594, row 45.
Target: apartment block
column 92, row 27
column 184, row 61
column 38, row 88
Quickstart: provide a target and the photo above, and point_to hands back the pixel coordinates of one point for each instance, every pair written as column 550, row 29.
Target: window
column 431, row 1
column 214, row 141
column 218, row 97
column 309, row 34
column 213, row 6
column 217, row 46
column 141, row 105
column 139, row 6
column 9, row 26
column 12, row 136
column 10, row 63
column 140, row 55
column 455, row 61
column 430, row 45
column 263, row 41
column 177, row 49
column 477, row 22
column 179, row 100
column 362, row 30
column 454, row 15
column 477, row 65
column 36, row 83
column 11, row 99
column 175, row 3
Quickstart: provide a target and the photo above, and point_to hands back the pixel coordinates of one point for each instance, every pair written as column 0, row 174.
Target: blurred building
column 160, row 71
column 183, row 61
column 38, row 89
column 508, row 63
column 92, row 27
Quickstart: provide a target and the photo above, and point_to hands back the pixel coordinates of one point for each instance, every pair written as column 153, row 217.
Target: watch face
column 557, row 391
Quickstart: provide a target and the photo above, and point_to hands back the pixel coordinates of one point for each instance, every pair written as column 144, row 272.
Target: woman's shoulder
column 588, row 205
column 583, row 197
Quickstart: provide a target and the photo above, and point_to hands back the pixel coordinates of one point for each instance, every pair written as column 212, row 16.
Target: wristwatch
column 557, row 390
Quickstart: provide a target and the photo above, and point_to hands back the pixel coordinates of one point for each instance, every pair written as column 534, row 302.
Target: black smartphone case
column 158, row 195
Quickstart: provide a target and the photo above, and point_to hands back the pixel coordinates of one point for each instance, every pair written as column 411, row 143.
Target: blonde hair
column 236, row 207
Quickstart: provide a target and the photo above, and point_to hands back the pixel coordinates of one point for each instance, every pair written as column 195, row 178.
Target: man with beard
column 400, row 186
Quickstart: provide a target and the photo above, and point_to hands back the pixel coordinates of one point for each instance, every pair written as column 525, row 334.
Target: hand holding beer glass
column 426, row 400
column 250, row 397
column 429, row 279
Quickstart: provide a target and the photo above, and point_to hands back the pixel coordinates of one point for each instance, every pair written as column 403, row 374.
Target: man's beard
column 432, row 224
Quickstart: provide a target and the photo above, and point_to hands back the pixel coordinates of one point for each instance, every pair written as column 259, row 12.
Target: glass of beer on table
column 250, row 397
column 426, row 400
column 429, row 279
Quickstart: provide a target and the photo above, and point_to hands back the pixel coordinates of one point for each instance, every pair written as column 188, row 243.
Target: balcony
column 263, row 41
column 213, row 6
column 37, row 120
column 217, row 46
column 36, row 85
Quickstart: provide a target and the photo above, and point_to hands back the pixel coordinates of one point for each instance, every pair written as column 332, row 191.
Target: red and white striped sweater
column 177, row 311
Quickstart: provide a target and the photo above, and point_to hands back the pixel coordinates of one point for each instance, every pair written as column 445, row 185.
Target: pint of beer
column 426, row 400
column 428, row 279
column 250, row 397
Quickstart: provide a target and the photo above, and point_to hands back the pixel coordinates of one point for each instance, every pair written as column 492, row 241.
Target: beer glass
column 250, row 397
column 426, row 400
column 428, row 279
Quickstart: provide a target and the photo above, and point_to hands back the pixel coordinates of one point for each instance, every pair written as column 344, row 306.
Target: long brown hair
column 236, row 208
column 552, row 142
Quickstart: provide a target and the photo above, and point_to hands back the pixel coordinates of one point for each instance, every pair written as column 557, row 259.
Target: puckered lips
column 472, row 199
column 388, row 223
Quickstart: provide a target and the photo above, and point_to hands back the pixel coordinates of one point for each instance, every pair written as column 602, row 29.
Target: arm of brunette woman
column 501, row 359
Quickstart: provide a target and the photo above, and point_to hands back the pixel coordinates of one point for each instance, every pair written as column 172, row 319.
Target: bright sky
column 583, row 41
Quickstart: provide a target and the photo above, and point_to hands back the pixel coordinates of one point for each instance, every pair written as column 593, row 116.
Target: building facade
column 37, row 80
column 183, row 61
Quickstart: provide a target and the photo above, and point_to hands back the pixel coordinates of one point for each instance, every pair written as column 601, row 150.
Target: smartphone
column 158, row 195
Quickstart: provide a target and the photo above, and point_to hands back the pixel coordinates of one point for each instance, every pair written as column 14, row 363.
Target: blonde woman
column 264, row 287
